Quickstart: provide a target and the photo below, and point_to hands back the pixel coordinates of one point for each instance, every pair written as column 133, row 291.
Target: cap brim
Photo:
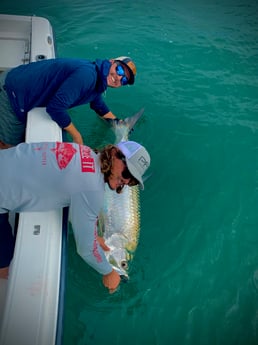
column 131, row 80
column 135, row 173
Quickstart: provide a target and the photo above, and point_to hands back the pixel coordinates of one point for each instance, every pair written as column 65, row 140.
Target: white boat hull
column 30, row 299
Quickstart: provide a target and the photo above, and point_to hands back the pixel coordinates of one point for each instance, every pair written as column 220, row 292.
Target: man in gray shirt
column 51, row 175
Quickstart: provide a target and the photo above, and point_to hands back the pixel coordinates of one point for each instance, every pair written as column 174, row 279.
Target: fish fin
column 112, row 122
column 131, row 121
column 123, row 128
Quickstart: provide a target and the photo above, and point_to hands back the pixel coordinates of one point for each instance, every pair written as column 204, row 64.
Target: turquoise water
column 194, row 278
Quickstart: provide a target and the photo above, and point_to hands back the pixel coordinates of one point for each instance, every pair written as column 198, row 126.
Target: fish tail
column 131, row 121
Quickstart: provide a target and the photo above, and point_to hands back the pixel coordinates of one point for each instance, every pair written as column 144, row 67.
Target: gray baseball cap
column 137, row 159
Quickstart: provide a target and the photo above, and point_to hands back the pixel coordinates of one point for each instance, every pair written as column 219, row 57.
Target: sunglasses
column 126, row 173
column 121, row 72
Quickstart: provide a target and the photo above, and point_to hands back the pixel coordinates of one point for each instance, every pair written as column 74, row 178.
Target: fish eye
column 124, row 264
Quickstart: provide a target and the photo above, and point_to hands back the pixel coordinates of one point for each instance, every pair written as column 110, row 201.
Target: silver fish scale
column 123, row 214
column 119, row 224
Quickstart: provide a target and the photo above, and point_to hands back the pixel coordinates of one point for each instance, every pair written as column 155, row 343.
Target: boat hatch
column 14, row 42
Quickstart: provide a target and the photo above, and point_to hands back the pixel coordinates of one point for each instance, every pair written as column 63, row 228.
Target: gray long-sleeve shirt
column 46, row 176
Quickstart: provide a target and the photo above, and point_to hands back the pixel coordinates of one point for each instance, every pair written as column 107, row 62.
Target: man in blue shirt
column 58, row 84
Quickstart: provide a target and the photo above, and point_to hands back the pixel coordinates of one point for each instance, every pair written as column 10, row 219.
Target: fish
column 119, row 218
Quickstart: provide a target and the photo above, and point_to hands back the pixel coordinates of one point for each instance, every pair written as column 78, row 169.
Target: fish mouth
column 123, row 275
column 124, row 278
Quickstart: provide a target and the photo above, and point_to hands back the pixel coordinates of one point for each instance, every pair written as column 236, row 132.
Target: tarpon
column 119, row 220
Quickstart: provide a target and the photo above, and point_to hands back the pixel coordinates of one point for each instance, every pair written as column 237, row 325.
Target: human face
column 120, row 174
column 117, row 75
column 120, row 70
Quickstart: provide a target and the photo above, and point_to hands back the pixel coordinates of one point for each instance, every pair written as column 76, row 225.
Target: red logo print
column 64, row 153
column 87, row 162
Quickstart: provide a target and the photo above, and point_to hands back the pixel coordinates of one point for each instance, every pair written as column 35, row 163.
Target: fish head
column 118, row 255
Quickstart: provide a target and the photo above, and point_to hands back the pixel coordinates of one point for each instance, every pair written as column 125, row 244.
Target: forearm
column 74, row 133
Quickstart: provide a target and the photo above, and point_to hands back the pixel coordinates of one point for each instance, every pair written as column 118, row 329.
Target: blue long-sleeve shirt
column 58, row 84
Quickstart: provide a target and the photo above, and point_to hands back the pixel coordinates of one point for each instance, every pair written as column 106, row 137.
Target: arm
column 112, row 279
column 74, row 133
column 100, row 107
column 84, row 224
column 73, row 91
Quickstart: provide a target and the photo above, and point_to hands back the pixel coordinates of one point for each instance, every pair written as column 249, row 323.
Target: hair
column 106, row 159
column 106, row 163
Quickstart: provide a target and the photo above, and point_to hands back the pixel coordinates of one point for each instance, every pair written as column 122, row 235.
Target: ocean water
column 194, row 278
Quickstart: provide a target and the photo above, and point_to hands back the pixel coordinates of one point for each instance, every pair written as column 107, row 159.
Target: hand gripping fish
column 119, row 219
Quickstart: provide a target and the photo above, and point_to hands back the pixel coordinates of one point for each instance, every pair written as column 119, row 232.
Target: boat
column 32, row 299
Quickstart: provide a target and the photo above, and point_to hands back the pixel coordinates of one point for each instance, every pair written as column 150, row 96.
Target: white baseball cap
column 137, row 159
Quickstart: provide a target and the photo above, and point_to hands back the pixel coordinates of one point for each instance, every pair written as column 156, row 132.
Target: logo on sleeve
column 87, row 162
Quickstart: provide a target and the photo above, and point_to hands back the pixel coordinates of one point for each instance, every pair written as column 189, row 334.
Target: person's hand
column 113, row 122
column 102, row 243
column 111, row 281
column 4, row 146
column 4, row 272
